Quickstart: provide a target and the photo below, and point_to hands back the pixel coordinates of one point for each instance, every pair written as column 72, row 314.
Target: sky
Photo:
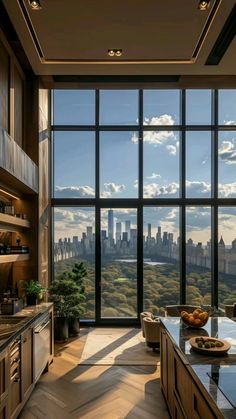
column 74, row 152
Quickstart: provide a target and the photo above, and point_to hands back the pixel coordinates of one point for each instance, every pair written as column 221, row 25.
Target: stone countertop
column 30, row 314
column 204, row 367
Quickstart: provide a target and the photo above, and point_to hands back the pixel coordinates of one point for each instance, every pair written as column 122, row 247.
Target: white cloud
column 172, row 149
column 156, row 137
column 153, row 176
column 74, row 191
column 197, row 188
column 227, row 190
column 227, row 152
column 152, row 190
column 229, row 122
column 136, row 183
column 159, row 120
column 112, row 187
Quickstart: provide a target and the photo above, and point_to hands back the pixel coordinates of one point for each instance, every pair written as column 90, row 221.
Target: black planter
column 61, row 328
column 74, row 327
column 31, row 300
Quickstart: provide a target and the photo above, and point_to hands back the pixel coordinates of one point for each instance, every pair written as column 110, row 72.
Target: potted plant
column 64, row 292
column 33, row 290
column 79, row 272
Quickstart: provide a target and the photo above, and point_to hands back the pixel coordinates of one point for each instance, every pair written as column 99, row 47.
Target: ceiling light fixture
column 35, row 4
column 114, row 52
column 204, row 4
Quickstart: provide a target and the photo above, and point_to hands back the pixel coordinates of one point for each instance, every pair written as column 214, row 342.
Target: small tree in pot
column 78, row 274
column 67, row 296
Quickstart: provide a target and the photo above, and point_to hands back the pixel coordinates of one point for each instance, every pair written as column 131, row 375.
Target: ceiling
column 157, row 37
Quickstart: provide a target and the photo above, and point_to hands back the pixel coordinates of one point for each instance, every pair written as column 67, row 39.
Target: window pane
column 198, row 107
column 198, row 164
column 118, row 164
column 161, row 164
column 119, row 107
column 74, row 241
column 198, row 255
column 227, row 164
column 74, row 107
column 161, row 258
column 227, row 107
column 227, row 255
column 161, row 107
column 74, row 164
column 119, row 263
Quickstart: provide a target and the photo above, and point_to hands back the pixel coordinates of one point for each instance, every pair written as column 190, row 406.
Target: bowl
column 197, row 319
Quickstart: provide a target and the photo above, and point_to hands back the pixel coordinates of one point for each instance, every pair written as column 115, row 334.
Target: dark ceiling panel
column 224, row 40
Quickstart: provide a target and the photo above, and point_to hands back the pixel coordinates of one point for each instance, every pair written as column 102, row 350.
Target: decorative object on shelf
column 67, row 293
column 33, row 292
column 198, row 318
column 209, row 345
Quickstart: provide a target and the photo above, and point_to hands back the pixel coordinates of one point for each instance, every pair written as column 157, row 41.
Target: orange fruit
column 202, row 316
column 196, row 314
column 183, row 313
column 185, row 317
column 191, row 319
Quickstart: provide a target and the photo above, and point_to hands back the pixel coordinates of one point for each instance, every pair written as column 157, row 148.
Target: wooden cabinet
column 183, row 396
column 27, row 361
column 4, row 375
column 4, row 409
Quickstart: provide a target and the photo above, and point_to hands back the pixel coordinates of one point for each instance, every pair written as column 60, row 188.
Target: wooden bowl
column 216, row 351
column 195, row 323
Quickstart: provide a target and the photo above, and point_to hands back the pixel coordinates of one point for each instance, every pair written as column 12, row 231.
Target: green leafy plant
column 33, row 287
column 67, row 292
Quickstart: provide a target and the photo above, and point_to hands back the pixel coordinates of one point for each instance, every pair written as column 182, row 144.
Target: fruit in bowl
column 196, row 319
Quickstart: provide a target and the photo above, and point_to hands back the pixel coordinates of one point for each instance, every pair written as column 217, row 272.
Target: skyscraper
column 149, row 231
column 118, row 232
column 89, row 232
column 127, row 228
column 110, row 224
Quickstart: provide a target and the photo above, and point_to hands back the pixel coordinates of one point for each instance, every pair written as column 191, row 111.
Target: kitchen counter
column 216, row 374
column 31, row 314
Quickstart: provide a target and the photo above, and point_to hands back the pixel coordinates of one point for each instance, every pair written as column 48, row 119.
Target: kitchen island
column 194, row 385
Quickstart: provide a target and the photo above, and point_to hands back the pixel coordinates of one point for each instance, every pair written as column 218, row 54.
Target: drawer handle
column 41, row 328
column 15, row 361
column 15, row 378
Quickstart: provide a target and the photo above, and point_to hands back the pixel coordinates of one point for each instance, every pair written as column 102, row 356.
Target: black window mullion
column 214, row 217
column 182, row 244
column 97, row 213
column 140, row 211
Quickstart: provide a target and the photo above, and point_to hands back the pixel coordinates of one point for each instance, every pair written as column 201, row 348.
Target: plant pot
column 61, row 328
column 31, row 300
column 74, row 327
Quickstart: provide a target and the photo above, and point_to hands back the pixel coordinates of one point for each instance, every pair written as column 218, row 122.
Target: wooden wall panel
column 18, row 107
column 44, row 188
column 4, row 87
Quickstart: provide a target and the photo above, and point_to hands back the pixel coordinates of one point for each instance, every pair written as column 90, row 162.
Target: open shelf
column 13, row 221
column 14, row 258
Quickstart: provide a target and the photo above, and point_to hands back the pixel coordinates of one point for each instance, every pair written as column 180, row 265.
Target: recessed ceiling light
column 35, row 4
column 111, row 52
column 114, row 52
column 204, row 4
column 118, row 52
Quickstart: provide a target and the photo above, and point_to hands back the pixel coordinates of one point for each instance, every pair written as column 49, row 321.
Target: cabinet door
column 200, row 408
column 182, row 385
column 3, row 375
column 4, row 410
column 177, row 412
column 27, row 360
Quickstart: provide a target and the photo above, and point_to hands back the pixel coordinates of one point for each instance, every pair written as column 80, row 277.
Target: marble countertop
column 30, row 315
column 205, row 367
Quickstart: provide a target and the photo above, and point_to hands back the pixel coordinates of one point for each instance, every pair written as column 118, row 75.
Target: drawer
column 200, row 407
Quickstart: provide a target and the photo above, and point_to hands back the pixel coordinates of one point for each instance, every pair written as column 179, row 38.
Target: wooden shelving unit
column 13, row 221
column 14, row 258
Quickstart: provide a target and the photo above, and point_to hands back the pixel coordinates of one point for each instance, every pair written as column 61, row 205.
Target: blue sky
column 74, row 174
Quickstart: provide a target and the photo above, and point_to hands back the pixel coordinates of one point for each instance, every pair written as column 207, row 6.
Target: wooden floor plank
column 70, row 390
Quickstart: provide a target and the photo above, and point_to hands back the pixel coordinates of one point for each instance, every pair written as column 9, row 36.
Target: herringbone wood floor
column 69, row 390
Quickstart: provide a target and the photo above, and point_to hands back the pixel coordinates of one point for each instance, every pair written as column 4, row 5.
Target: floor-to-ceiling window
column 144, row 193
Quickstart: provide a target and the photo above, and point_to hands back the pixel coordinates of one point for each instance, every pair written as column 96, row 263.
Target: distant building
column 110, row 224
